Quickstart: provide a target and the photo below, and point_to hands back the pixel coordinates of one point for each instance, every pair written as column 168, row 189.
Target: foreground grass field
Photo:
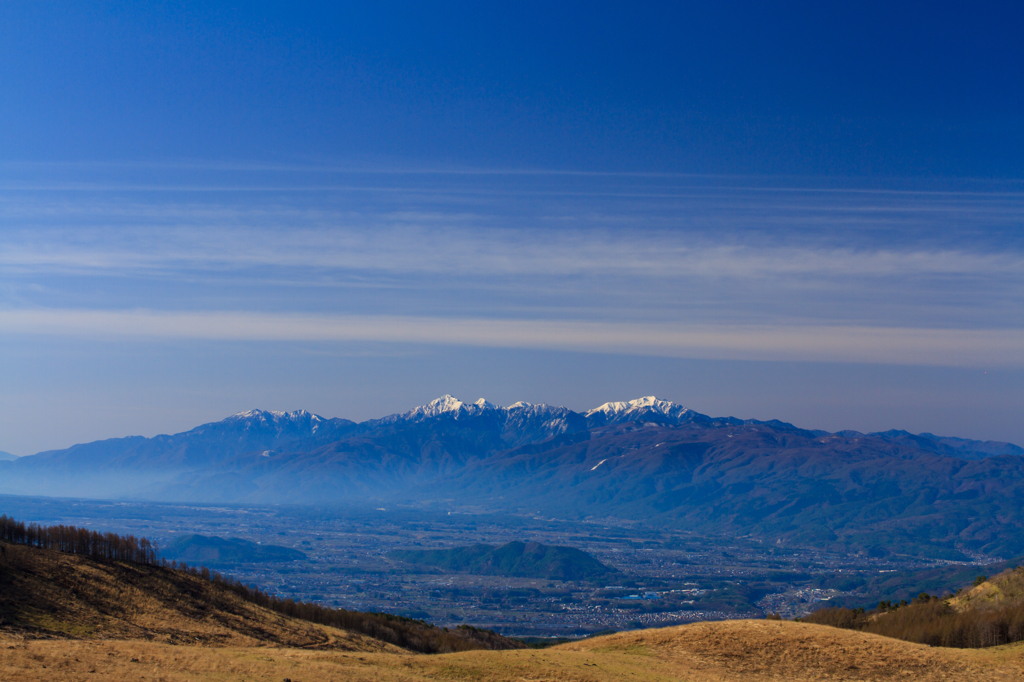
column 67, row 617
column 702, row 652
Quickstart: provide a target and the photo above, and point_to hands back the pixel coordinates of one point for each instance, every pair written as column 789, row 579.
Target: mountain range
column 643, row 460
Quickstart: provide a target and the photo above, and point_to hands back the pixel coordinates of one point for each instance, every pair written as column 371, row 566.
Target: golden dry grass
column 65, row 618
column 703, row 652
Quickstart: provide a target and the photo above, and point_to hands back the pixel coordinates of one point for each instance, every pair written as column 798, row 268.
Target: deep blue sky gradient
column 863, row 89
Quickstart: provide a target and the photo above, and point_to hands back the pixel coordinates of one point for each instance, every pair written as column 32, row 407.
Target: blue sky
column 794, row 212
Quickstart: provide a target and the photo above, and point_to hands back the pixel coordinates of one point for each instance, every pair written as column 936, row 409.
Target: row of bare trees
column 74, row 540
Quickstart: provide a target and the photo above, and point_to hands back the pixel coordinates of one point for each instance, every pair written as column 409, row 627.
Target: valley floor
column 701, row 652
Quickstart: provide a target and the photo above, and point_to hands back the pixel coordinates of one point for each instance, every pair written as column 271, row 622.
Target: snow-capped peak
column 534, row 408
column 271, row 415
column 443, row 405
column 637, row 409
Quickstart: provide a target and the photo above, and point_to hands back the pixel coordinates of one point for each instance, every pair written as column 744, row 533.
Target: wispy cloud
column 952, row 347
column 702, row 268
column 412, row 249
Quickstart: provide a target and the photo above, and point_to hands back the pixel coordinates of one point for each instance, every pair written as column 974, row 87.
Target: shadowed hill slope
column 777, row 482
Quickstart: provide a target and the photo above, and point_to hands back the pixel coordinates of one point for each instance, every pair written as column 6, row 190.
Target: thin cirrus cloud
column 466, row 253
column 970, row 348
column 673, row 266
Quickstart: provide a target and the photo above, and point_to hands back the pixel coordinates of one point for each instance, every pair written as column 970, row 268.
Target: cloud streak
column 649, row 265
column 413, row 250
column 819, row 343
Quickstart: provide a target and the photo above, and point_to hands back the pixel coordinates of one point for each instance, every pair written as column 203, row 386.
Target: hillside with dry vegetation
column 989, row 613
column 66, row 616
column 732, row 651
column 46, row 594
column 63, row 581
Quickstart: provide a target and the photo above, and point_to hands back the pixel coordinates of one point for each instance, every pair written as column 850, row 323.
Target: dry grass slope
column 707, row 652
column 1005, row 589
column 989, row 614
column 47, row 594
column 67, row 618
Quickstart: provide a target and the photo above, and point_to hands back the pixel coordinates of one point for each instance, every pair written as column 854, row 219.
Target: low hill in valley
column 217, row 552
column 514, row 560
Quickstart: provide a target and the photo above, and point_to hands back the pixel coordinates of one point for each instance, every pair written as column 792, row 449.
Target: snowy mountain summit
column 520, row 422
column 648, row 409
column 296, row 421
column 445, row 405
column 531, row 418
column 542, row 418
column 271, row 416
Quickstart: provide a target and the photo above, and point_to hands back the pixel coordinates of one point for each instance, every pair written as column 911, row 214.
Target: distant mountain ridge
column 644, row 459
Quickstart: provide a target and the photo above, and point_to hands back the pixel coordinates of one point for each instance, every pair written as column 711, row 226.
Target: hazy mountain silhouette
column 642, row 460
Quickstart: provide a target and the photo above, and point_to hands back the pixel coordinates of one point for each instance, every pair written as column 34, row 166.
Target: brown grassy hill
column 999, row 591
column 47, row 594
column 756, row 650
column 734, row 651
column 66, row 617
column 991, row 613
